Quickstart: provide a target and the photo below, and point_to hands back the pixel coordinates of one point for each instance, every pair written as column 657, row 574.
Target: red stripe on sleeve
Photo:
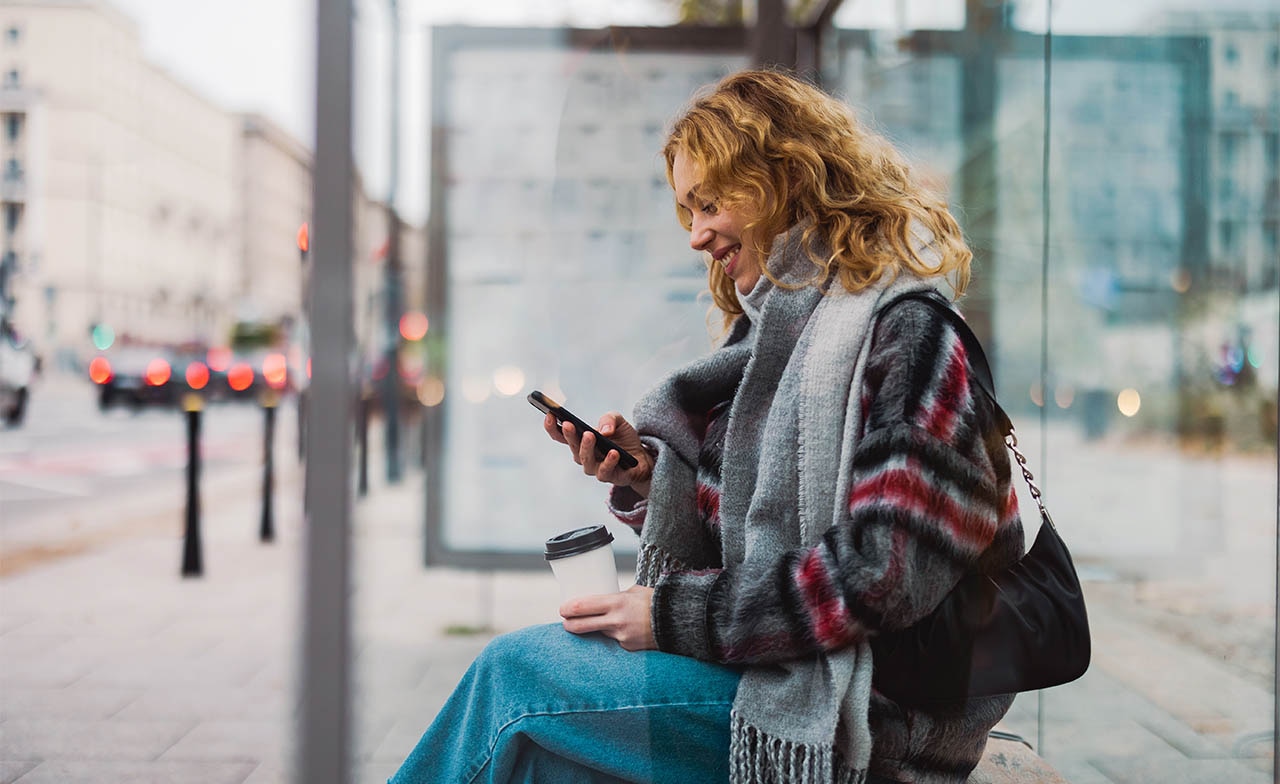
column 829, row 618
column 907, row 490
column 942, row 416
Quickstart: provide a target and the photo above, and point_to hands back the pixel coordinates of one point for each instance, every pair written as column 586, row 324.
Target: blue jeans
column 544, row 705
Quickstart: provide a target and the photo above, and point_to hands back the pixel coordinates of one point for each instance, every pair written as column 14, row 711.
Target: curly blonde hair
column 784, row 151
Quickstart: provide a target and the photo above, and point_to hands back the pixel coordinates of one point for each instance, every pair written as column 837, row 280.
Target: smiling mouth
column 728, row 257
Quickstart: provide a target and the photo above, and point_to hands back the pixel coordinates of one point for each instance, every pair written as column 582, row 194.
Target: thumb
column 607, row 423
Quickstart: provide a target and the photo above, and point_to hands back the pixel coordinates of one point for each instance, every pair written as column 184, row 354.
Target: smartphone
column 603, row 444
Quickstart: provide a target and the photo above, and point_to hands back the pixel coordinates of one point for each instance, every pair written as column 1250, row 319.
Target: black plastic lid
column 579, row 540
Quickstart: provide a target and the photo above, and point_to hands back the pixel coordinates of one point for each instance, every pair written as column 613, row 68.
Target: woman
column 827, row 473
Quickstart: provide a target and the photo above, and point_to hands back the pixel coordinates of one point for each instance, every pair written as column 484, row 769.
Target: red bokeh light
column 197, row 375
column 219, row 358
column 275, row 369
column 158, row 373
column 413, row 325
column 99, row 370
column 240, row 376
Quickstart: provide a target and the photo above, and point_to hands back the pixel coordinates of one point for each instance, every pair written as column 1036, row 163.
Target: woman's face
column 716, row 229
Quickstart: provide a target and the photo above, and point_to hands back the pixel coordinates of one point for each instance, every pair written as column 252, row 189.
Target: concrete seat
column 1010, row 760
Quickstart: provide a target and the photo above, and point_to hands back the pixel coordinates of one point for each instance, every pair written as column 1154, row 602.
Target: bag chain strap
column 1011, row 441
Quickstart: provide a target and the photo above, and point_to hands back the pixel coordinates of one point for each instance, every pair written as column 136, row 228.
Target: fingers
column 623, row 617
column 553, row 429
column 566, row 433
column 592, row 614
column 604, row 468
column 608, row 470
column 588, row 613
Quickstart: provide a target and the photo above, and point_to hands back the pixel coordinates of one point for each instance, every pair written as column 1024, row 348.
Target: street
column 73, row 477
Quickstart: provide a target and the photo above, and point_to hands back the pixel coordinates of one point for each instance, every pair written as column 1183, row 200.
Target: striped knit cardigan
column 928, row 499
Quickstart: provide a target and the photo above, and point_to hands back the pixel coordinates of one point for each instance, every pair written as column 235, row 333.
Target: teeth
column 728, row 259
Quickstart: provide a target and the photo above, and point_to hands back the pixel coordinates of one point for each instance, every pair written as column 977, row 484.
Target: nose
column 699, row 234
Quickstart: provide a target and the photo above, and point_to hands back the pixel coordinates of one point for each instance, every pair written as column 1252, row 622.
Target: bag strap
column 982, row 375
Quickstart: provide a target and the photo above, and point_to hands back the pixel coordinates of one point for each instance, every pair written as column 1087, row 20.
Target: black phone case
column 603, row 443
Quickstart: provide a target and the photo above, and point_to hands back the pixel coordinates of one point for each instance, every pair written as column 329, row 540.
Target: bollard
column 266, row 531
column 191, row 562
column 362, row 436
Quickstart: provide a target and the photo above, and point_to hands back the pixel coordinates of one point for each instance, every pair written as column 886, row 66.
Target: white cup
column 582, row 561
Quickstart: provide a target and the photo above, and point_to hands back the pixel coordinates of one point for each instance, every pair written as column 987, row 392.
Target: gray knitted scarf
column 795, row 362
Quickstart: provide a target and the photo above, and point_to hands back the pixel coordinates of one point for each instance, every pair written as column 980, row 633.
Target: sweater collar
column 788, row 263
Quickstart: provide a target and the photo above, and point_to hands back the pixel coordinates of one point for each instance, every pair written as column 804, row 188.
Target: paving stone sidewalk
column 113, row 668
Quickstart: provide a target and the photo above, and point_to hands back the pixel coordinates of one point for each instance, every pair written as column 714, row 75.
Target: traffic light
column 103, row 336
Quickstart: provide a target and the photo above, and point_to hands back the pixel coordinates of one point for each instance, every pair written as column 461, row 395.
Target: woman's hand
column 623, row 616
column 583, row 446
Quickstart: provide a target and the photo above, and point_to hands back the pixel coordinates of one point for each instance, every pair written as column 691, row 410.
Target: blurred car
column 19, row 367
column 249, row 375
column 136, row 377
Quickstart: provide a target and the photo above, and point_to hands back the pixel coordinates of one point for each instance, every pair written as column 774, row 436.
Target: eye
column 711, row 208
column 684, row 216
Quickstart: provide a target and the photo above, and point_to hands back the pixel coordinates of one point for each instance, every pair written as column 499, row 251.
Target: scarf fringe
column 652, row 562
column 756, row 757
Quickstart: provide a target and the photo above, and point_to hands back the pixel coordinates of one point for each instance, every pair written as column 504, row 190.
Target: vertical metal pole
column 266, row 531
column 436, row 296
column 323, row 748
column 982, row 41
column 1045, row 229
column 393, row 302
column 304, row 296
column 772, row 38
column 362, row 446
column 192, row 563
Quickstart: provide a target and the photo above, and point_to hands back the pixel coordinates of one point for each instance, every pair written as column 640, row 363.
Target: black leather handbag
column 1021, row 629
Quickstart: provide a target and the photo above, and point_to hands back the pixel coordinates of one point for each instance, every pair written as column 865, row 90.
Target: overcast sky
column 257, row 55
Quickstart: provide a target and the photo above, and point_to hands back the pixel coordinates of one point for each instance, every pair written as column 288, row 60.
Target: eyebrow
column 691, row 196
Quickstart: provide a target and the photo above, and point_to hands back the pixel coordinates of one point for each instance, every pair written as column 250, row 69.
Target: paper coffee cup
column 582, row 561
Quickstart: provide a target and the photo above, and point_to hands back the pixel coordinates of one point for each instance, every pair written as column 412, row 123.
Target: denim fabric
column 547, row 706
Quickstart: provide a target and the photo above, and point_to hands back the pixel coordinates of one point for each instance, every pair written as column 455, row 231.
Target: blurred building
column 119, row 205
column 1244, row 197
column 134, row 203
column 1165, row 193
column 274, row 202
column 1237, row 330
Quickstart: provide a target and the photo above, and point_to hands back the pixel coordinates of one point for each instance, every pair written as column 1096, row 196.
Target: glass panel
column 1134, row 336
column 566, row 269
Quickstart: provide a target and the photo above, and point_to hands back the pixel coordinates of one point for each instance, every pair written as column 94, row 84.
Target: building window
column 14, row 34
column 13, row 170
column 12, row 217
column 13, row 126
column 1274, row 56
column 1227, row 238
column 1229, row 144
column 1226, row 189
column 1230, row 54
column 13, row 78
column 1271, row 237
column 1271, row 145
